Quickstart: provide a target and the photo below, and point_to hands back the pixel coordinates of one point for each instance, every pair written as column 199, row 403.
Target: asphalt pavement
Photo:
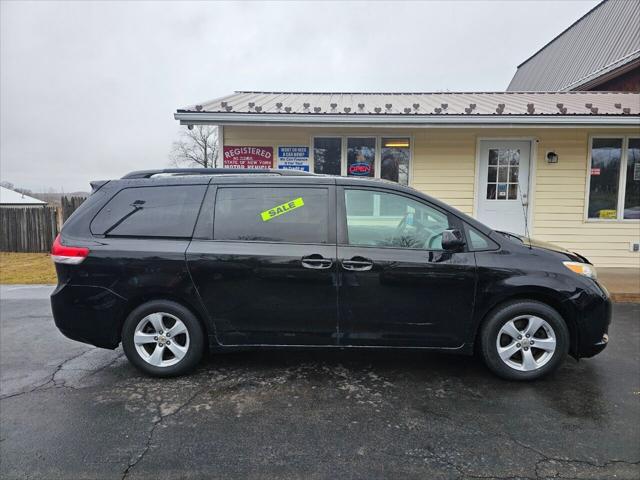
column 68, row 410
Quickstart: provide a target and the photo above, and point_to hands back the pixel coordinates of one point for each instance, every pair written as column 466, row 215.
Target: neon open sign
column 360, row 168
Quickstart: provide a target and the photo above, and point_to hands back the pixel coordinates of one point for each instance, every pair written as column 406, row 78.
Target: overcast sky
column 88, row 90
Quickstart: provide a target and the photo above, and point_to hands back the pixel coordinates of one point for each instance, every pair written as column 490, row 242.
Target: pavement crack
column 155, row 424
column 104, row 367
column 50, row 379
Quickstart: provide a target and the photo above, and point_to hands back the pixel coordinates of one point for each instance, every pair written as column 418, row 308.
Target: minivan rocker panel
column 171, row 264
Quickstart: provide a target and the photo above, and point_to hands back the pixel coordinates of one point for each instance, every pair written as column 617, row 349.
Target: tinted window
column 361, row 154
column 272, row 214
column 605, row 175
column 168, row 211
column 380, row 219
column 327, row 153
column 394, row 160
column 632, row 182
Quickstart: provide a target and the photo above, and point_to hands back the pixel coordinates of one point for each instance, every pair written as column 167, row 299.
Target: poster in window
column 293, row 157
column 248, row 157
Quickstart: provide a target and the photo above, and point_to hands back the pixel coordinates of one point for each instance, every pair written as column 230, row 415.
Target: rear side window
column 272, row 214
column 167, row 211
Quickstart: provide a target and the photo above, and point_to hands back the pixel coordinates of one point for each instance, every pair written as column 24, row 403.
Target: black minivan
column 173, row 263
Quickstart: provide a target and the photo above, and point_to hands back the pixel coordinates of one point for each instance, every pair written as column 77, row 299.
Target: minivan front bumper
column 88, row 314
column 594, row 318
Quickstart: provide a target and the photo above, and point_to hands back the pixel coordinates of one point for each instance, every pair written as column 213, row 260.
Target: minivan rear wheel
column 524, row 340
column 163, row 338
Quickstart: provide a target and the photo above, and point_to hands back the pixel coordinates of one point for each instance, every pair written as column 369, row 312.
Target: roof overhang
column 606, row 74
column 414, row 121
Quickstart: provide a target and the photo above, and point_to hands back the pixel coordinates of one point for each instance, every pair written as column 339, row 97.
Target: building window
column 632, row 181
column 327, row 155
column 502, row 174
column 361, row 157
column 614, row 179
column 394, row 161
column 374, row 157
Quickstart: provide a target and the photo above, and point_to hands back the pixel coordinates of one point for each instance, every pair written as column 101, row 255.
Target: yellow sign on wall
column 282, row 209
column 607, row 214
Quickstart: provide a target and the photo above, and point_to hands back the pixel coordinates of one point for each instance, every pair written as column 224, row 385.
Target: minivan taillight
column 69, row 255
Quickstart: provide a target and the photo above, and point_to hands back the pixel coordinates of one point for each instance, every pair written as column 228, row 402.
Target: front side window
column 272, row 214
column 614, row 179
column 380, row 219
column 163, row 211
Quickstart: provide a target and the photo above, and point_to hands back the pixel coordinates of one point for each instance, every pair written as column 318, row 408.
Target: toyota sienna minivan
column 174, row 263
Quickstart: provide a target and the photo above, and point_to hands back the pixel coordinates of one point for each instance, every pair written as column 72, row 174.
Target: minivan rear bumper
column 88, row 314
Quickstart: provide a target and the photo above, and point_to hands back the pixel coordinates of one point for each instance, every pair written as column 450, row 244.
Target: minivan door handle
column 316, row 262
column 357, row 264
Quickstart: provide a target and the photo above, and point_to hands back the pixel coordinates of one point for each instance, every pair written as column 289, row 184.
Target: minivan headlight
column 582, row 269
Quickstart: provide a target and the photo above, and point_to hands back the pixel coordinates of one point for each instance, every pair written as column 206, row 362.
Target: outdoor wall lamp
column 552, row 157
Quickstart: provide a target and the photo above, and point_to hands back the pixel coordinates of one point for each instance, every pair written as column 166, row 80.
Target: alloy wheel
column 161, row 339
column 526, row 343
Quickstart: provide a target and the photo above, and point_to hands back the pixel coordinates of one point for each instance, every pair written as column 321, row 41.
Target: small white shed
column 12, row 199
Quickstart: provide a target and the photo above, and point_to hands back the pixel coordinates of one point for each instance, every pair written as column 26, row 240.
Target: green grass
column 26, row 268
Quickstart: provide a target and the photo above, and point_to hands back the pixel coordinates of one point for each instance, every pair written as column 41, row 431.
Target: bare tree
column 196, row 147
column 11, row 186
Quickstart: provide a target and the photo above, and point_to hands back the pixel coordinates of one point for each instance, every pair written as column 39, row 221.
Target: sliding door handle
column 316, row 262
column 357, row 264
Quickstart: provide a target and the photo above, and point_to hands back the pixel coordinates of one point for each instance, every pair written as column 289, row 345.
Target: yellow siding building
column 575, row 180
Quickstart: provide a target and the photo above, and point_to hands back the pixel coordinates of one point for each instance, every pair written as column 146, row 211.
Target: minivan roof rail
column 212, row 171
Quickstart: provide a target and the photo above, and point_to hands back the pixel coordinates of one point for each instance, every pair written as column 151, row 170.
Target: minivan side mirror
column 452, row 240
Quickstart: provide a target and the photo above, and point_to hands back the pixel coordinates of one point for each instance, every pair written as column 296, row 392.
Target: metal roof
column 417, row 108
column 605, row 39
column 11, row 197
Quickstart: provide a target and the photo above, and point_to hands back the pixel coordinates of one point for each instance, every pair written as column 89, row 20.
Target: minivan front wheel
column 162, row 338
column 524, row 340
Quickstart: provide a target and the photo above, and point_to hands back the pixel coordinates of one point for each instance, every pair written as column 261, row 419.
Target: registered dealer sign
column 247, row 157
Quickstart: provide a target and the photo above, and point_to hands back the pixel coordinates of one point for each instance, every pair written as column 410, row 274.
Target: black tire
column 196, row 338
column 504, row 313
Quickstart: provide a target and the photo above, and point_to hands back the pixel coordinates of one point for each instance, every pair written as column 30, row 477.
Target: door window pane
column 412, row 225
column 164, row 211
column 273, row 214
column 394, row 164
column 361, row 154
column 492, row 175
column 632, row 182
column 502, row 174
column 327, row 155
column 605, row 175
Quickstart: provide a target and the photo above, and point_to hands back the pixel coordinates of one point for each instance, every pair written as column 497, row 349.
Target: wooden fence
column 28, row 229
column 69, row 205
column 33, row 229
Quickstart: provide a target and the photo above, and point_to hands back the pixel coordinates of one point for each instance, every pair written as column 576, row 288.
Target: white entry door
column 503, row 181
